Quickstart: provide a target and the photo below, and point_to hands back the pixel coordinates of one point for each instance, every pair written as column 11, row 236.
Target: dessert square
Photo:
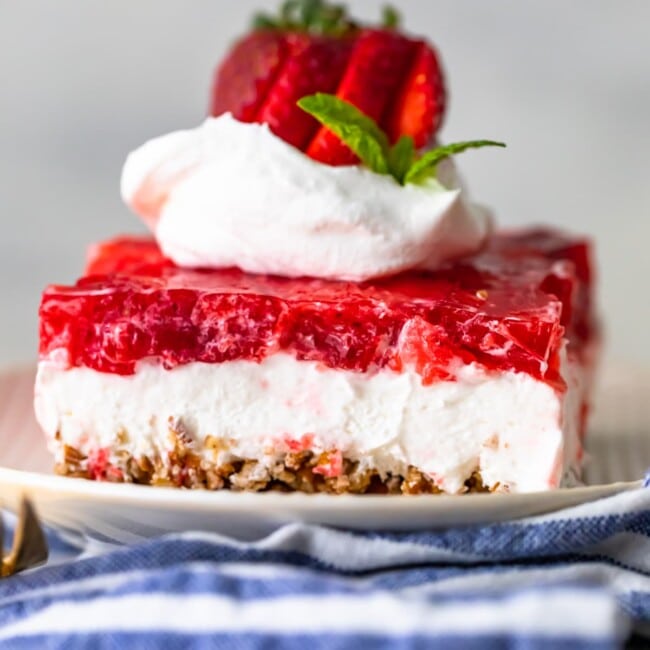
column 472, row 377
column 322, row 307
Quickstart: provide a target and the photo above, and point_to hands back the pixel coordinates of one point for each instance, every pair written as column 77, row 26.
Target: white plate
column 619, row 445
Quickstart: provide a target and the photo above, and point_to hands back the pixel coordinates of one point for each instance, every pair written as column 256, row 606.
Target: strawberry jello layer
column 471, row 377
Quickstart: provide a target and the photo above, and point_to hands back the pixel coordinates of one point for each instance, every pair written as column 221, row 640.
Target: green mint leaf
column 354, row 128
column 401, row 157
column 371, row 144
column 425, row 167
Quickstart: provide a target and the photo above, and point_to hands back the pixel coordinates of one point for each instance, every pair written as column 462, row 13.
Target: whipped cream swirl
column 229, row 194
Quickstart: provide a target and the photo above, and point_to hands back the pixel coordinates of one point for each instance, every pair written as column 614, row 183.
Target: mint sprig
column 367, row 140
column 356, row 129
column 425, row 166
column 400, row 158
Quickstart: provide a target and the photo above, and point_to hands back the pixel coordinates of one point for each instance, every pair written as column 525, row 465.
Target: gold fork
column 29, row 546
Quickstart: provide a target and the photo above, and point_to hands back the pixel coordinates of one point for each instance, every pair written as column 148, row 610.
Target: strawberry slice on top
column 246, row 76
column 312, row 63
column 420, row 106
column 313, row 47
column 379, row 63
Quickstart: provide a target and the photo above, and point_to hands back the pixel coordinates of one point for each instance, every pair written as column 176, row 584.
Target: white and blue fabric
column 579, row 578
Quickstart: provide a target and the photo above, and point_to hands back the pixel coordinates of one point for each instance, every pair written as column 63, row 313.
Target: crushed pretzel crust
column 297, row 472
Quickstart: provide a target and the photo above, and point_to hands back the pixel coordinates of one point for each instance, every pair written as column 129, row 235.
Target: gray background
column 566, row 84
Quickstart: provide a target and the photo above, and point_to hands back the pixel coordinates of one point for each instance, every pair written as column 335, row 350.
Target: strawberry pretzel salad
column 321, row 307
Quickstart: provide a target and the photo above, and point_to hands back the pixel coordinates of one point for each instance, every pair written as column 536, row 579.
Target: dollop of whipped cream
column 233, row 194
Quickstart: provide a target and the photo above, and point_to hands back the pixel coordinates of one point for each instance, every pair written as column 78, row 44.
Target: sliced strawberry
column 313, row 64
column 247, row 74
column 313, row 46
column 379, row 62
column 420, row 106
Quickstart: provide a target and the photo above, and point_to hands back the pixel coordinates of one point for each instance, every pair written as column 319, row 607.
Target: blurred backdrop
column 566, row 84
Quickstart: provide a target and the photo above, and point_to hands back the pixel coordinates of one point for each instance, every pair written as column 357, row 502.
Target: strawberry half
column 313, row 47
column 420, row 106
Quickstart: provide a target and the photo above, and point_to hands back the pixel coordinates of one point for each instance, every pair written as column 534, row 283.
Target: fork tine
column 29, row 547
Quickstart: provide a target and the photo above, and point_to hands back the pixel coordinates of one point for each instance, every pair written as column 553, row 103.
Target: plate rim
column 146, row 495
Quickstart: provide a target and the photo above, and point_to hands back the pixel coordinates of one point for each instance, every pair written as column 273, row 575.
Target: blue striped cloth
column 579, row 578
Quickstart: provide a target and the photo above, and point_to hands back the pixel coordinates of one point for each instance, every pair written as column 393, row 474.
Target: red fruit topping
column 313, row 47
column 420, row 106
column 377, row 67
column 424, row 345
column 123, row 254
column 497, row 308
column 245, row 77
column 312, row 65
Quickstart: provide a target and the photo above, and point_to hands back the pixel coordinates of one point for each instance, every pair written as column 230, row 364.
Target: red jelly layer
column 506, row 308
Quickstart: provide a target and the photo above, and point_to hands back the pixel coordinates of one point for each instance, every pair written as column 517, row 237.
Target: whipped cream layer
column 229, row 194
column 520, row 433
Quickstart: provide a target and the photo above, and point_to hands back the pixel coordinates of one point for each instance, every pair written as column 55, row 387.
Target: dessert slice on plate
column 322, row 307
column 473, row 377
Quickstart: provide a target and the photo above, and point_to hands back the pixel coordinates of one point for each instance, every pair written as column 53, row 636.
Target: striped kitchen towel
column 579, row 578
